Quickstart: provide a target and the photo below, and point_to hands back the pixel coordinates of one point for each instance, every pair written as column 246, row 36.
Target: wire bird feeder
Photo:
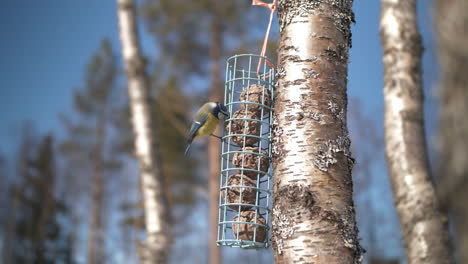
column 244, row 200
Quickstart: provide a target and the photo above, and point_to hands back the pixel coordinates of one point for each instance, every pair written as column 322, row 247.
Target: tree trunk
column 157, row 244
column 423, row 225
column 214, row 152
column 95, row 253
column 451, row 20
column 313, row 213
column 47, row 196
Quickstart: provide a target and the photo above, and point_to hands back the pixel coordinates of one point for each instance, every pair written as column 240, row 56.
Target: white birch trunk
column 423, row 225
column 313, row 213
column 156, row 247
column 452, row 38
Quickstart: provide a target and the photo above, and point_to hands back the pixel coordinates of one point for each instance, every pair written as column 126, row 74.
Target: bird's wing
column 197, row 123
column 202, row 113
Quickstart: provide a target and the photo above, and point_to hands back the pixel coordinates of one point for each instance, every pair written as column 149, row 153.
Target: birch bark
column 313, row 213
column 451, row 25
column 423, row 225
column 156, row 247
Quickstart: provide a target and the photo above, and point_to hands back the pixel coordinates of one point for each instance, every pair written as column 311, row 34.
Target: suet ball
column 251, row 161
column 247, row 127
column 257, row 94
column 248, row 231
column 234, row 193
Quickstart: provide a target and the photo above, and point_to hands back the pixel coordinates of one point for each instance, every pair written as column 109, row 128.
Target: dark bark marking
column 291, row 48
column 295, row 82
column 310, row 73
column 302, row 201
column 342, row 14
column 296, row 198
column 136, row 67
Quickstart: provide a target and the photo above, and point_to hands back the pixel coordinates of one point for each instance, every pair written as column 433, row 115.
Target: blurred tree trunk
column 313, row 213
column 47, row 204
column 157, row 244
column 423, row 225
column 214, row 152
column 451, row 25
column 95, row 244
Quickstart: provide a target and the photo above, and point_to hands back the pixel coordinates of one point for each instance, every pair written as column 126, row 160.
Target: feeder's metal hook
column 272, row 7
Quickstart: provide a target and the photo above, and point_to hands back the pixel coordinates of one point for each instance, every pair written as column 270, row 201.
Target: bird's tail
column 188, row 148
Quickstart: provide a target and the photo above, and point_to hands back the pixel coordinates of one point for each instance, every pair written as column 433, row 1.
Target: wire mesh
column 244, row 200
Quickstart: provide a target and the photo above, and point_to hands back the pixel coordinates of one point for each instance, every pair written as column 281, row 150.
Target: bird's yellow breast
column 208, row 127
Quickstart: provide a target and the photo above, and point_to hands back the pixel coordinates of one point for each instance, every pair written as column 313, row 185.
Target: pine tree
column 88, row 148
column 39, row 236
column 16, row 188
column 4, row 197
column 170, row 110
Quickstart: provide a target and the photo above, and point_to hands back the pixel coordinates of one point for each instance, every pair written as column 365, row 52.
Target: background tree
column 170, row 110
column 423, row 224
column 156, row 247
column 450, row 23
column 39, row 235
column 88, row 147
column 4, row 198
column 16, row 188
column 313, row 213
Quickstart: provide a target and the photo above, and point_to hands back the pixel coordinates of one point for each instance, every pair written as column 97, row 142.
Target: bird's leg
column 216, row 136
column 224, row 140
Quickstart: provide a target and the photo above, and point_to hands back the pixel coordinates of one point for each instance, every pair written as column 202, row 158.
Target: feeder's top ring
column 249, row 55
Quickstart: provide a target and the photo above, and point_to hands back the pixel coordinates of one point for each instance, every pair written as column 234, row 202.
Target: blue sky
column 46, row 45
column 44, row 51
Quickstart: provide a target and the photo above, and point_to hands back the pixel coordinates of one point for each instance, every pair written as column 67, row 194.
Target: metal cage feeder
column 244, row 200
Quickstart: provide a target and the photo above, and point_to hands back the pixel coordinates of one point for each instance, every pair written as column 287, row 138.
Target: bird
column 205, row 122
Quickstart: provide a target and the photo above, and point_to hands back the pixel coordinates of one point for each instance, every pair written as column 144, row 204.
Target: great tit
column 205, row 121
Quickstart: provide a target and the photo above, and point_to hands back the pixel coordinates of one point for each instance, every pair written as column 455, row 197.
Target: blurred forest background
column 69, row 180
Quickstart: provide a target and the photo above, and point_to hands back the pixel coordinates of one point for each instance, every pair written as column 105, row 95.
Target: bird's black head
column 220, row 111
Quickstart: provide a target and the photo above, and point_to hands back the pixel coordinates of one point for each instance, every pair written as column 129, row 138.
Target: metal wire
column 245, row 223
